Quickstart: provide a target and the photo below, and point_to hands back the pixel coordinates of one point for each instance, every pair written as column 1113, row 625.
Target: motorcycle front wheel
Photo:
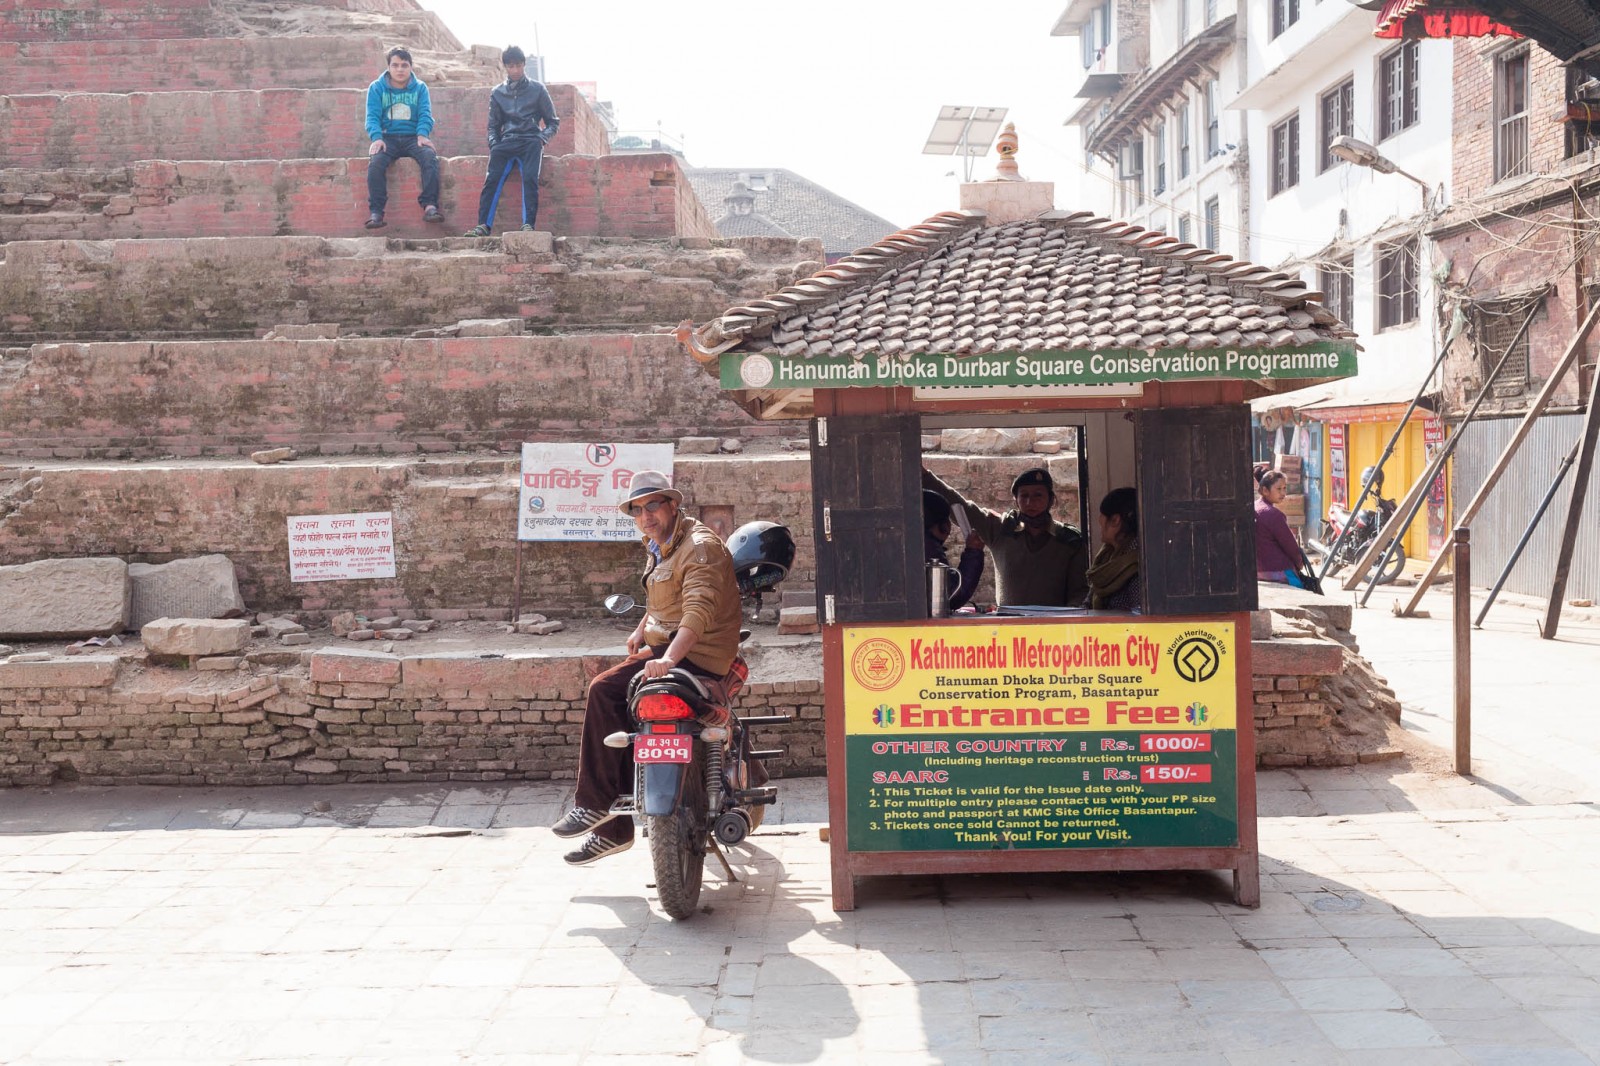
column 678, row 845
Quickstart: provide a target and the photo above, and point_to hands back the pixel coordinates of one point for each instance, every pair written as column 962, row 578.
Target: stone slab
column 195, row 637
column 56, row 598
column 1298, row 603
column 85, row 671
column 508, row 676
column 988, row 441
column 1301, row 656
column 355, row 666
column 202, row 587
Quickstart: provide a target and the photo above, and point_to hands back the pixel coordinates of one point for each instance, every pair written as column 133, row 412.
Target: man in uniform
column 1038, row 562
column 691, row 621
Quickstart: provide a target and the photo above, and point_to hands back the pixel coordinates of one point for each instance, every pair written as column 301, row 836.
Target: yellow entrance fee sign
column 1071, row 734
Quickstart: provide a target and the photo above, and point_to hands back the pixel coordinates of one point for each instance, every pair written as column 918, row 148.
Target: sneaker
column 432, row 214
column 596, row 847
column 579, row 821
column 477, row 231
column 527, row 228
column 375, row 220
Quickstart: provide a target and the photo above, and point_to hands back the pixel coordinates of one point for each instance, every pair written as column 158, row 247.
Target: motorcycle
column 1364, row 526
column 699, row 784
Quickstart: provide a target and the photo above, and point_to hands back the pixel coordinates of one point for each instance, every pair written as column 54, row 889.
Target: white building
column 1158, row 134
column 1314, row 71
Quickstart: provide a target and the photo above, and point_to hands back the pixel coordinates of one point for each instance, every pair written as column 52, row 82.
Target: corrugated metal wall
column 1511, row 505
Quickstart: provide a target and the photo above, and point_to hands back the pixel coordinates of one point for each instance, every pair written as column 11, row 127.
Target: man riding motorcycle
column 692, row 618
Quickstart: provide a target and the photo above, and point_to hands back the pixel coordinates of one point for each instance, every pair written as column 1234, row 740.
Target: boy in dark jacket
column 399, row 119
column 522, row 120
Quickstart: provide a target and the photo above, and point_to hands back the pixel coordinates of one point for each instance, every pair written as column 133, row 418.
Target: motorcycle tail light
column 662, row 707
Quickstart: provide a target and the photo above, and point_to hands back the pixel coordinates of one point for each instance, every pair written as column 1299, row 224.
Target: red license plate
column 669, row 748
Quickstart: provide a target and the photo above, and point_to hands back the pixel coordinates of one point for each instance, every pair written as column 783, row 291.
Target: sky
column 842, row 93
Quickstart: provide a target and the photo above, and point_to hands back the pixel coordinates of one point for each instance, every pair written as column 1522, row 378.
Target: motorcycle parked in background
column 699, row 785
column 1364, row 526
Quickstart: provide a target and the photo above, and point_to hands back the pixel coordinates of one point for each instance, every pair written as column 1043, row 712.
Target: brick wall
column 632, row 196
column 73, row 20
column 455, row 521
column 221, row 398
column 218, row 64
column 220, row 287
column 346, row 718
column 106, row 129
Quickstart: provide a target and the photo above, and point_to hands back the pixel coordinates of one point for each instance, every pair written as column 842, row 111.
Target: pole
column 1390, row 534
column 1523, row 429
column 1463, row 650
column 1333, row 549
column 1527, row 534
column 1580, row 487
column 516, row 587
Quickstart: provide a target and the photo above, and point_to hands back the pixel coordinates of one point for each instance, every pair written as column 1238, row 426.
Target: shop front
column 1026, row 737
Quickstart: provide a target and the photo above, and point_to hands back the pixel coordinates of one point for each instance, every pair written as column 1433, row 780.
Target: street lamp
column 1363, row 154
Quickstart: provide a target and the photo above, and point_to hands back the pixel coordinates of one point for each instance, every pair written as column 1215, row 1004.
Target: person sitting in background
column 935, row 531
column 1278, row 554
column 1038, row 562
column 1114, row 583
column 399, row 119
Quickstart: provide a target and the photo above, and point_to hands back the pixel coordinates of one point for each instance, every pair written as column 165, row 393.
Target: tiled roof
column 1061, row 282
column 732, row 225
column 800, row 206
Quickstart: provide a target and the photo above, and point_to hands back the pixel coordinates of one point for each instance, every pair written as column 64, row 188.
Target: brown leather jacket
column 693, row 588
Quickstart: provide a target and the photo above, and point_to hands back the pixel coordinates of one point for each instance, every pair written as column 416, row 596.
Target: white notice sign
column 571, row 491
column 338, row 547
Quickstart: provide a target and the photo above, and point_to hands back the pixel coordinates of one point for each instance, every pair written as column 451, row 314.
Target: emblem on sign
column 1196, row 657
column 756, row 372
column 877, row 665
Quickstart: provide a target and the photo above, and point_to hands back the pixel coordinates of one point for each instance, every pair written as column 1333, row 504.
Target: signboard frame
column 1242, row 858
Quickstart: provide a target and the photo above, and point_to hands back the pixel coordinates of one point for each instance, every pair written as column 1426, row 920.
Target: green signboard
column 1336, row 359
column 1069, row 735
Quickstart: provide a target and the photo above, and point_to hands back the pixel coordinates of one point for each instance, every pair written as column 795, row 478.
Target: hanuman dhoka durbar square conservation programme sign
column 1057, row 735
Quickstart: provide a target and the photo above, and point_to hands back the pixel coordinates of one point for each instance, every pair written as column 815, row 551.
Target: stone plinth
column 1008, row 201
column 202, row 587
column 194, row 637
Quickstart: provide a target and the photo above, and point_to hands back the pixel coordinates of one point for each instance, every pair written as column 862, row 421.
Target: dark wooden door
column 1197, row 510
column 867, row 502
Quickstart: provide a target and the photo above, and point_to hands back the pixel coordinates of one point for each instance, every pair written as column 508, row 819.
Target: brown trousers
column 607, row 773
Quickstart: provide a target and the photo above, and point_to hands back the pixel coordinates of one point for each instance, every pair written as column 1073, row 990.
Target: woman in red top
column 1278, row 554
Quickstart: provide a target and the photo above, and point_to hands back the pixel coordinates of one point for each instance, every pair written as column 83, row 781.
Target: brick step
column 454, row 529
column 104, row 20
column 353, row 396
column 223, row 64
column 398, row 21
column 622, row 196
column 49, row 131
column 122, row 290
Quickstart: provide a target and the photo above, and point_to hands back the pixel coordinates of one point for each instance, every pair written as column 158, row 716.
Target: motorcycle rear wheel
column 1387, row 574
column 678, row 846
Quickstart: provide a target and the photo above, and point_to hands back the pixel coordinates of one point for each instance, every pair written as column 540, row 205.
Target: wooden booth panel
column 1194, row 482
column 867, row 496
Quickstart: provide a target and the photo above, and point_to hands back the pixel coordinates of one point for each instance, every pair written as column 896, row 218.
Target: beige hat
column 648, row 483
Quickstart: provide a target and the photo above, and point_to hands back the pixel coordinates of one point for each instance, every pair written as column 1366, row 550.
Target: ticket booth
column 1025, row 739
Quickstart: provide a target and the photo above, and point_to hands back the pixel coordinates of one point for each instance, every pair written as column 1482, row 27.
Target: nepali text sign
column 1057, row 735
column 572, row 491
column 1333, row 359
column 338, row 547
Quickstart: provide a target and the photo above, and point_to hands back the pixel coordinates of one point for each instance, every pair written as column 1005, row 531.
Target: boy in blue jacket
column 399, row 119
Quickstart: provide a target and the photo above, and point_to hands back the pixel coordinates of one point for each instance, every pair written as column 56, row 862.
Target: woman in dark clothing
column 1114, row 582
column 1278, row 554
column 935, row 531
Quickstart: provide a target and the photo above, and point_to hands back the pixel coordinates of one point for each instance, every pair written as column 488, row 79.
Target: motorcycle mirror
column 618, row 603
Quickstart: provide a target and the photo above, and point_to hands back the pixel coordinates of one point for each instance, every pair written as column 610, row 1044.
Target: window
column 1183, row 142
column 1397, row 283
column 1337, row 119
column 1285, row 139
column 1213, row 127
column 1397, row 89
column 1213, row 223
column 756, row 182
column 1499, row 324
column 1183, row 227
column 1511, row 114
column 1095, row 35
column 1336, row 279
column 1285, row 13
column 1161, row 159
column 1211, row 11
column 1183, row 21
column 1132, row 173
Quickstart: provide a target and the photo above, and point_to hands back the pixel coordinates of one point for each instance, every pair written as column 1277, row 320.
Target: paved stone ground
column 1407, row 918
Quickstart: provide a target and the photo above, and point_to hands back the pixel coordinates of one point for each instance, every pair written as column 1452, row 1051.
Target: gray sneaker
column 596, row 847
column 579, row 821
